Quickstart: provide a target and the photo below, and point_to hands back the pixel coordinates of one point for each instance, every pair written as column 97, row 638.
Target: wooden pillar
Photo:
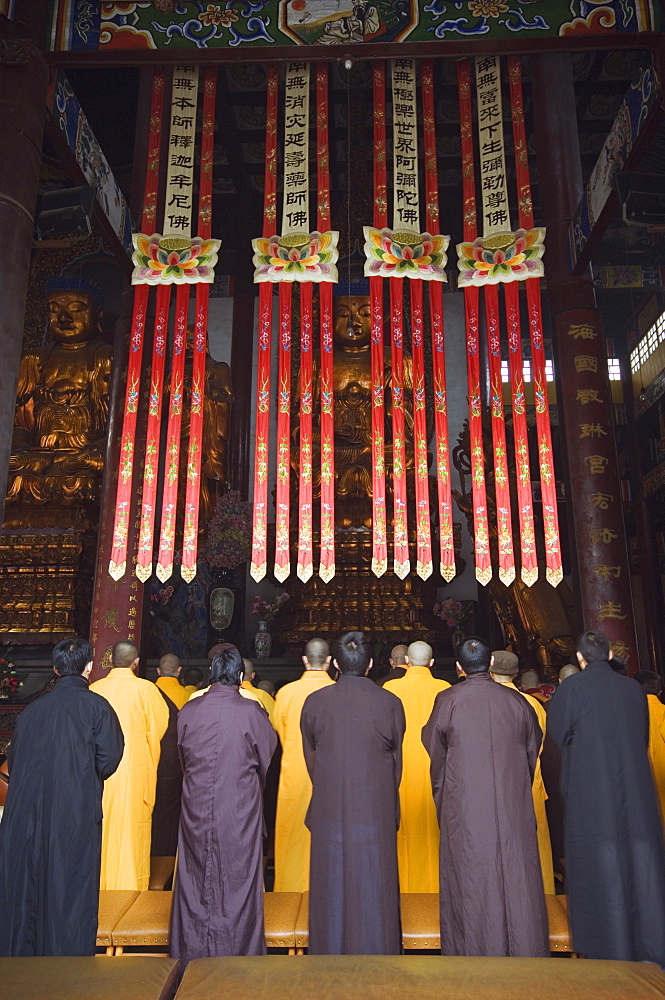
column 242, row 355
column 23, row 82
column 593, row 492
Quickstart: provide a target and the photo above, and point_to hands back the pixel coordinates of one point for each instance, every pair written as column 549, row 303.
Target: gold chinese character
column 582, row 331
column 610, row 610
column 621, row 650
column 604, row 535
column 602, row 500
column 597, row 464
column 110, row 619
column 606, row 572
column 586, row 363
column 585, row 396
column 132, row 612
column 592, row 430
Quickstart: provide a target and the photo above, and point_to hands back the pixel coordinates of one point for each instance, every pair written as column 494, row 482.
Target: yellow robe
column 173, row 689
column 292, row 838
column 268, row 702
column 657, row 747
column 418, row 834
column 247, row 692
column 129, row 794
column 189, row 690
column 539, row 799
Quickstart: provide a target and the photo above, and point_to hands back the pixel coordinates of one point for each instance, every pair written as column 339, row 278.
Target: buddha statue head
column 353, row 322
column 75, row 310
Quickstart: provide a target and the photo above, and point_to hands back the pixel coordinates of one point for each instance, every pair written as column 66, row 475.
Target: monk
column 397, row 661
column 226, row 743
column 266, row 700
column 166, row 812
column 483, row 741
column 504, row 671
column 168, row 673
column 615, row 855
column 653, row 687
column 352, row 737
column 65, row 745
column 418, row 834
column 129, row 796
column 292, row 838
column 193, row 678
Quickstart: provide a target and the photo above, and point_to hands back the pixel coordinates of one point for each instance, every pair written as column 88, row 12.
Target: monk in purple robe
column 483, row 741
column 352, row 737
column 226, row 743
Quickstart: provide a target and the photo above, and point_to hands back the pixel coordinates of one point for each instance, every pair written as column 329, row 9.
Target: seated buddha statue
column 62, row 403
column 352, row 386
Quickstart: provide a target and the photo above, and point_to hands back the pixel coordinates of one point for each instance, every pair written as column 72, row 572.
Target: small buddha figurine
column 62, row 403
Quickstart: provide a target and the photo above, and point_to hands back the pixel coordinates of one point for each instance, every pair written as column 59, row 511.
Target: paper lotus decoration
column 501, row 257
column 165, row 260
column 296, row 257
column 393, row 254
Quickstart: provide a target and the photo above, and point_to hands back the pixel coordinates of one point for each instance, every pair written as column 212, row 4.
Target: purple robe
column 483, row 740
column 352, row 737
column 226, row 743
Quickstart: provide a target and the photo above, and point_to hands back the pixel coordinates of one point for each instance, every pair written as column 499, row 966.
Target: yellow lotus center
column 404, row 238
column 294, row 240
column 177, row 243
column 499, row 241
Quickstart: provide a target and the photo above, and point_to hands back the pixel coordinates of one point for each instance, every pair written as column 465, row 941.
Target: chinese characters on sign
column 406, row 209
column 492, row 159
column 180, row 164
column 295, row 212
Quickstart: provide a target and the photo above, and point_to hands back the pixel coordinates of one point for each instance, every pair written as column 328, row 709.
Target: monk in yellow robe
column 504, row 670
column 292, row 838
column 167, row 681
column 653, row 687
column 418, row 834
column 129, row 794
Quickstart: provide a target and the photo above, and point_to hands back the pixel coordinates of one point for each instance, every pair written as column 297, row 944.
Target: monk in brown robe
column 483, row 740
column 352, row 738
column 226, row 743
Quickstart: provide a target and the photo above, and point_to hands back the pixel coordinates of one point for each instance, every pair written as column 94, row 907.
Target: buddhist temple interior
column 96, row 87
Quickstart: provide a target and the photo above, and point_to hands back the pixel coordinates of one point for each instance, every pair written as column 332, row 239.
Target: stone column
column 593, row 492
column 117, row 606
column 23, row 82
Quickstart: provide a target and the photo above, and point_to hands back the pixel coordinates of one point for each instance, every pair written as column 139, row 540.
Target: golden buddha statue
column 62, row 403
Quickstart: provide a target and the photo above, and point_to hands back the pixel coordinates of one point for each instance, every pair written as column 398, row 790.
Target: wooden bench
column 113, row 904
column 145, row 923
column 420, row 923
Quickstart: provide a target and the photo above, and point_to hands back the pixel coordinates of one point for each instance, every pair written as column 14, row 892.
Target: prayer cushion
column 146, row 922
column 281, row 911
column 427, row 977
column 161, row 871
column 96, row 978
column 113, row 904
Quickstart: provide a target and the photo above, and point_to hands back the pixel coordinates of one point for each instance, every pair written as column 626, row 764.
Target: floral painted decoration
column 502, row 257
column 393, row 254
column 9, row 680
column 165, row 260
column 229, row 537
column 296, row 257
column 213, row 14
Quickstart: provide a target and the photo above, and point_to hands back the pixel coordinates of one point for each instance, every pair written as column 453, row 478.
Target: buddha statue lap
column 62, row 404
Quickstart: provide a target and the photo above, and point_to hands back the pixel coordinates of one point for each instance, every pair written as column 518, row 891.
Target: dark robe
column 352, row 738
column 393, row 674
column 615, row 860
column 483, row 741
column 550, row 766
column 226, row 743
column 166, row 812
column 65, row 745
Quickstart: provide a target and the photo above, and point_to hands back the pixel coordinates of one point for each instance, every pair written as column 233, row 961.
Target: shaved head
column 567, row 670
column 398, row 655
column 124, row 653
column 249, row 669
column 419, row 654
column 529, row 679
column 317, row 652
column 169, row 665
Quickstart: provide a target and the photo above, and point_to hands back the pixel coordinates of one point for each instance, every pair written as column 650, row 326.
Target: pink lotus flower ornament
column 393, row 254
column 178, row 260
column 501, row 257
column 296, row 257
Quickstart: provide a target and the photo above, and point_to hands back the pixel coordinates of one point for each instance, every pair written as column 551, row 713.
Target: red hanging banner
column 501, row 481
column 379, row 540
column 401, row 562
column 260, row 500
column 423, row 527
column 118, row 561
column 282, row 498
column 554, row 566
column 197, row 392
column 479, row 491
column 444, row 490
column 305, row 554
column 326, row 371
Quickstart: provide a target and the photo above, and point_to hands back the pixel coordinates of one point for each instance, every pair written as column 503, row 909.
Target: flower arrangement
column 451, row 612
column 9, row 681
column 264, row 610
column 230, row 532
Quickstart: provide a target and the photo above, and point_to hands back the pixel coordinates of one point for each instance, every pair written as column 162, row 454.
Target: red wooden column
column 23, row 81
column 593, row 494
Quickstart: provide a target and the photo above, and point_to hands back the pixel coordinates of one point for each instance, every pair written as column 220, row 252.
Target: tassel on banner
column 305, row 554
column 401, row 562
column 483, row 556
column 423, row 525
column 118, row 561
column 282, row 493
column 259, row 561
